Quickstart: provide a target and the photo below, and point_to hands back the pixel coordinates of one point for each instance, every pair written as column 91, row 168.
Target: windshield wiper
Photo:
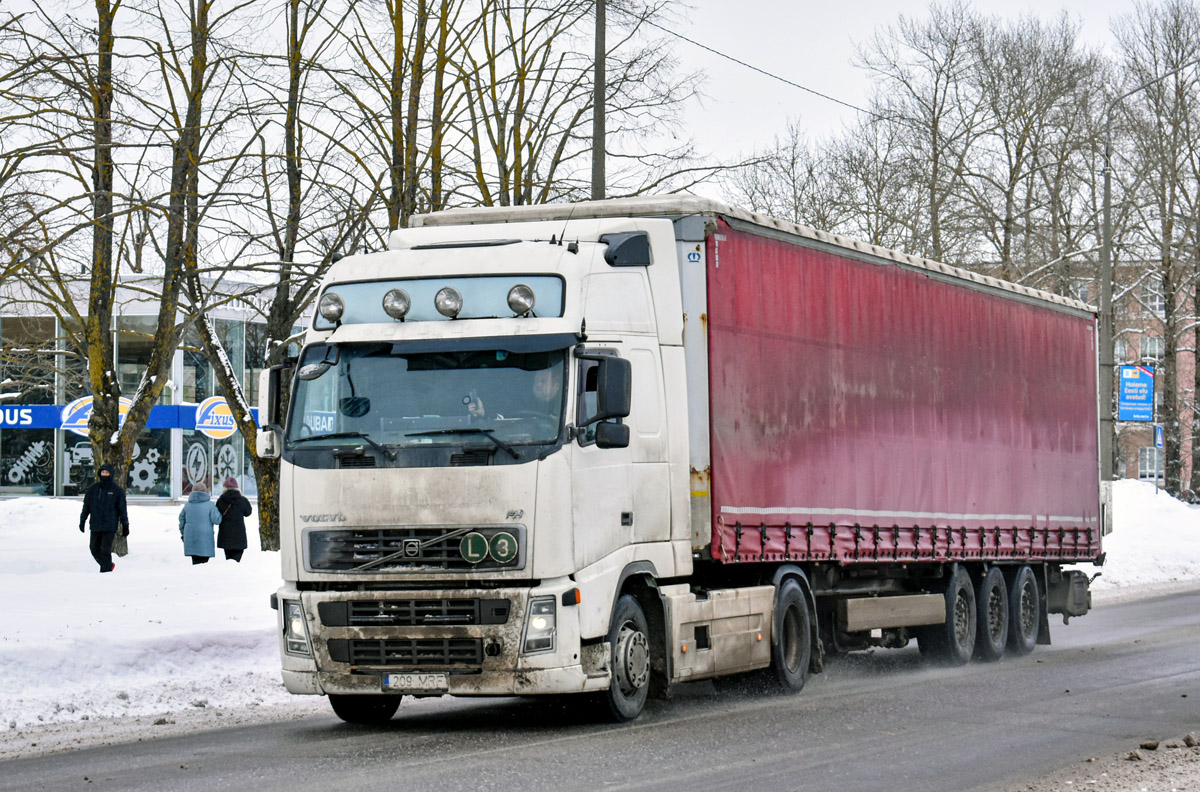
column 391, row 455
column 469, row 430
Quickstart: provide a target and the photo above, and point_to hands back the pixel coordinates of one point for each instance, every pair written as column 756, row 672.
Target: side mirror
column 614, row 386
column 267, row 444
column 270, row 433
column 612, row 435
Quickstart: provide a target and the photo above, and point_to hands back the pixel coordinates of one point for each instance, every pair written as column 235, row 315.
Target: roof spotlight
column 331, row 307
column 521, row 299
column 396, row 304
column 448, row 301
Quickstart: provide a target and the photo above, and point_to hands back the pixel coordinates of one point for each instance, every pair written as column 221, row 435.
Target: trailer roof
column 675, row 206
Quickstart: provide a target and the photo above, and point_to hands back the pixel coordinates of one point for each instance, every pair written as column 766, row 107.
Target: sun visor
column 518, row 344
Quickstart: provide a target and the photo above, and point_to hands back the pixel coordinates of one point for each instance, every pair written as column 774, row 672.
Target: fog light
column 448, row 301
column 396, row 303
column 331, row 307
column 540, row 626
column 521, row 299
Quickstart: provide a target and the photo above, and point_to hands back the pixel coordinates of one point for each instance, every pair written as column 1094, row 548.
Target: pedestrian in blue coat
column 196, row 523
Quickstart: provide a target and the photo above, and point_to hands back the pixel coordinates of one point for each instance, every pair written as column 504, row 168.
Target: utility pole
column 1108, row 427
column 598, row 108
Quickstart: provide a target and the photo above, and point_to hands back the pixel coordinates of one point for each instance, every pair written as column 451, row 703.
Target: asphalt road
column 878, row 721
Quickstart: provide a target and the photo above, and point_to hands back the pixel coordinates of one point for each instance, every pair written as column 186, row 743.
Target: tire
column 791, row 639
column 1024, row 612
column 991, row 607
column 367, row 709
column 953, row 641
column 629, row 638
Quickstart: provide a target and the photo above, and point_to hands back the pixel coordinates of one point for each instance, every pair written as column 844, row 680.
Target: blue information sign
column 1135, row 398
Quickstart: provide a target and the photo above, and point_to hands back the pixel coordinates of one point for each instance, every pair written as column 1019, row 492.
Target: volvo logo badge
column 412, row 548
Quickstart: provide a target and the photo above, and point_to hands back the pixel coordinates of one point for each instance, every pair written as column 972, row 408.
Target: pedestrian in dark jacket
column 196, row 522
column 104, row 502
column 234, row 508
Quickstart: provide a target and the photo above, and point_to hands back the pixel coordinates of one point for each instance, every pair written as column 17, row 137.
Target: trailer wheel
column 991, row 602
column 369, row 709
column 1024, row 612
column 953, row 641
column 629, row 637
column 791, row 639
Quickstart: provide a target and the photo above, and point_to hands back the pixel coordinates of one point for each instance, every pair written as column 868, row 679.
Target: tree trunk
column 97, row 331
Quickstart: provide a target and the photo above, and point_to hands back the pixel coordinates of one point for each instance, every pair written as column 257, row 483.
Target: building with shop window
column 44, row 399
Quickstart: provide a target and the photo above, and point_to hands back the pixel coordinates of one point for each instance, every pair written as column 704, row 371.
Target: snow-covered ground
column 160, row 639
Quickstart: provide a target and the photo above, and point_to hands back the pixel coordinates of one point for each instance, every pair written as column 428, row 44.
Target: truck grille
column 413, row 612
column 346, row 550
column 408, row 652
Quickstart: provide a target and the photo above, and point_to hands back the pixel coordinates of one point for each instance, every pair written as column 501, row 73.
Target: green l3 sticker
column 474, row 547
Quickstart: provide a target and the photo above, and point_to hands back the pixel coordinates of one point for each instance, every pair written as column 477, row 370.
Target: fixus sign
column 1135, row 399
column 214, row 418
column 76, row 414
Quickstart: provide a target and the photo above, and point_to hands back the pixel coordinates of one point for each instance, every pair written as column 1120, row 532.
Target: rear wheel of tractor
column 369, row 709
column 1024, row 612
column 791, row 639
column 991, row 604
column 630, row 640
column 953, row 641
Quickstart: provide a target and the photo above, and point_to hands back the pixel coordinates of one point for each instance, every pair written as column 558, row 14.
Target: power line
column 749, row 66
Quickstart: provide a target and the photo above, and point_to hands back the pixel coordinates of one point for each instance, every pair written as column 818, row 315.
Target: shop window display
column 150, row 471
column 27, row 461
column 27, row 366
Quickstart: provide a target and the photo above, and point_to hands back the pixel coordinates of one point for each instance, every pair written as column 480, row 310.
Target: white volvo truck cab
column 484, row 474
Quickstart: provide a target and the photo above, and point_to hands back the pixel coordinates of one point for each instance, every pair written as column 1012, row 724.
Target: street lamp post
column 598, row 107
column 1107, row 424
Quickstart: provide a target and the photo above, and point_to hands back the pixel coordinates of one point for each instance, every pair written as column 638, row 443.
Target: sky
column 159, row 636
column 813, row 44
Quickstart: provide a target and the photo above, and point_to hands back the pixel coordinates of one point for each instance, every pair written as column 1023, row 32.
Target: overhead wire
column 749, row 66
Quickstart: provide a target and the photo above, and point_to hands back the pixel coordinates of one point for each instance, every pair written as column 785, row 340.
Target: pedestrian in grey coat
column 196, row 522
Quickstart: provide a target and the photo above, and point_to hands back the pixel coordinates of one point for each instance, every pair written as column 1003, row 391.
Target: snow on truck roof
column 673, row 206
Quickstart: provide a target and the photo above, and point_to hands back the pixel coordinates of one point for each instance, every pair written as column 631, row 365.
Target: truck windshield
column 445, row 398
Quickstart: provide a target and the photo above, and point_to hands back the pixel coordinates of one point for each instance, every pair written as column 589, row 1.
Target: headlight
column 448, row 301
column 295, row 631
column 540, row 626
column 396, row 303
column 521, row 299
column 331, row 307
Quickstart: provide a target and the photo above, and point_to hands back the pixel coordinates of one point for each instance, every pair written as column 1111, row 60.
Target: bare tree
column 1027, row 75
column 1154, row 42
column 794, row 180
column 921, row 71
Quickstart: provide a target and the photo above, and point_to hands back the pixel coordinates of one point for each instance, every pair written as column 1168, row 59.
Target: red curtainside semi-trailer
column 714, row 443
column 894, row 427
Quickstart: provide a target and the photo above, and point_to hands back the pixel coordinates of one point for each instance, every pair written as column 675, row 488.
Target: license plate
column 416, row 683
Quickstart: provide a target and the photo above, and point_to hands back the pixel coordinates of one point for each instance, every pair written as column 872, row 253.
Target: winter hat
column 200, row 487
column 231, row 483
column 103, row 468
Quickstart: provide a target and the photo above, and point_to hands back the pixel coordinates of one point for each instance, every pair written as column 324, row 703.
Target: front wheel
column 630, row 640
column 368, row 709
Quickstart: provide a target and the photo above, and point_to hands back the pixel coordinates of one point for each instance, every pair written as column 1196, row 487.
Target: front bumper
column 478, row 659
